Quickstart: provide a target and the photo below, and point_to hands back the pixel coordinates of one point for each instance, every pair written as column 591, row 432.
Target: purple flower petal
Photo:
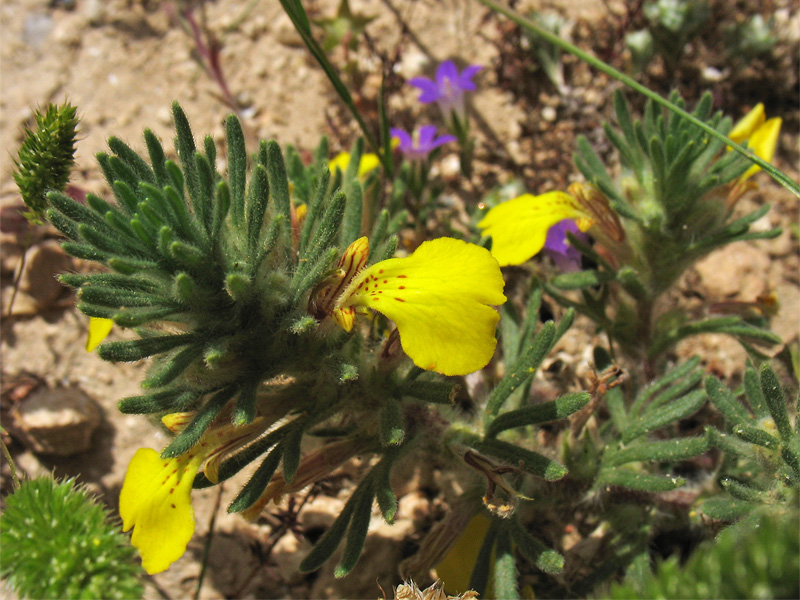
column 430, row 91
column 465, row 79
column 443, row 139
column 425, row 137
column 406, row 143
column 557, row 236
column 566, row 257
column 446, row 70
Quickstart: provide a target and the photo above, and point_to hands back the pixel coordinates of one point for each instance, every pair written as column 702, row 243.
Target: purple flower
column 449, row 87
column 567, row 258
column 423, row 141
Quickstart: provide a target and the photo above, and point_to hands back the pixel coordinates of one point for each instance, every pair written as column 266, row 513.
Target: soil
column 123, row 62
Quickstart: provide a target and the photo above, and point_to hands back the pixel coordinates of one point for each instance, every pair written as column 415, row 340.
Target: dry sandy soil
column 123, row 62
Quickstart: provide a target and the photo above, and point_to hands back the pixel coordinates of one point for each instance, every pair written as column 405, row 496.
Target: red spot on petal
column 375, row 298
column 173, row 472
column 402, row 276
column 399, row 299
column 172, row 505
column 385, row 281
column 380, row 271
column 402, row 287
column 171, row 490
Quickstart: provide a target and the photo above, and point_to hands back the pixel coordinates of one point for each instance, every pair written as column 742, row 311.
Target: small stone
column 415, row 506
column 320, row 512
column 287, row 555
column 285, row 33
column 56, row 421
column 737, row 271
column 713, row 75
column 95, row 11
column 413, row 63
column 36, row 29
column 43, row 263
column 549, row 113
column 450, row 166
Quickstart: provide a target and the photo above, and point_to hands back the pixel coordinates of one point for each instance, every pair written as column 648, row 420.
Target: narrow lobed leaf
column 776, row 403
column 541, row 413
column 199, row 424
column 132, row 350
column 527, row 460
column 524, row 369
column 359, row 523
column 662, row 451
column 663, row 415
column 255, row 487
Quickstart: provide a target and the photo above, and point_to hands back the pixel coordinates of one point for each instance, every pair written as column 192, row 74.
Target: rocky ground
column 123, row 62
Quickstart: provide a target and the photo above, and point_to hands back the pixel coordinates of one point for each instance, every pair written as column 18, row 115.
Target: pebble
column 285, row 33
column 320, row 512
column 414, row 506
column 549, row 113
column 287, row 555
column 737, row 271
column 412, row 63
column 42, row 264
column 36, row 29
column 57, row 421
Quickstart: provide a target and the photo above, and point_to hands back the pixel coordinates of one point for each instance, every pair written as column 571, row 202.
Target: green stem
column 207, row 546
column 294, row 9
column 11, row 466
column 18, row 276
column 598, row 64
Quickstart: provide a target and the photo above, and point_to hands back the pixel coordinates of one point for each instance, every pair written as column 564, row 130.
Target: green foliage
column 214, row 275
column 671, row 24
column 343, row 28
column 631, row 457
column 752, row 38
column 46, row 156
column 58, row 542
column 670, row 206
column 547, row 55
column 762, row 447
column 757, row 559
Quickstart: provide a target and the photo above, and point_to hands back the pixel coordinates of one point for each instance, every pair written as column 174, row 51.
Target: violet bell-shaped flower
column 448, row 88
column 566, row 257
column 421, row 143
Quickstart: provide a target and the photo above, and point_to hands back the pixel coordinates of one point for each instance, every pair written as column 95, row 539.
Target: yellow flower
column 156, row 495
column 519, row 227
column 440, row 298
column 760, row 134
column 368, row 163
column 456, row 567
column 98, row 331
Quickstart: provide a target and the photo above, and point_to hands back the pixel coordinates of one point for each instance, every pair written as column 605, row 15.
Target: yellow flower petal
column 98, row 331
column 340, row 161
column 519, row 227
column 440, row 298
column 156, row 501
column 322, row 300
column 455, row 568
column 368, row 162
column 744, row 128
column 763, row 143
